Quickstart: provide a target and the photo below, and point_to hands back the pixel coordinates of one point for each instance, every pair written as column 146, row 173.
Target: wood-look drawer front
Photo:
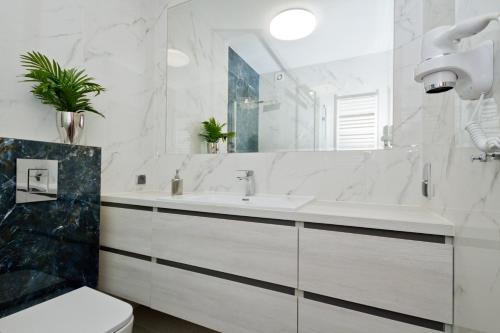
column 126, row 229
column 125, row 277
column 316, row 317
column 260, row 251
column 222, row 305
column 405, row 276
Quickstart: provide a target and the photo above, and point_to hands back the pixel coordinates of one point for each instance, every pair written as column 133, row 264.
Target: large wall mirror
column 283, row 75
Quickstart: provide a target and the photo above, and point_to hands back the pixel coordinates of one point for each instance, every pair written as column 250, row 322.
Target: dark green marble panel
column 48, row 248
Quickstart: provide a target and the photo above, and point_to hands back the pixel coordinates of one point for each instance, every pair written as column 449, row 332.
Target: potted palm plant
column 212, row 134
column 66, row 90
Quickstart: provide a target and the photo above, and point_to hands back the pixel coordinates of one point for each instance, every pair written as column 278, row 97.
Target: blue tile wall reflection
column 48, row 248
column 243, row 107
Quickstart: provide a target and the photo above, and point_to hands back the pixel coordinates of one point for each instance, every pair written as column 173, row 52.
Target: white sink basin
column 262, row 201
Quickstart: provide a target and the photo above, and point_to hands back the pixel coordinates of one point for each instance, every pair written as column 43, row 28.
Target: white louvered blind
column 356, row 122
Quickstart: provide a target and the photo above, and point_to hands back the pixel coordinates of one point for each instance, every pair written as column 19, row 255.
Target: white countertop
column 363, row 215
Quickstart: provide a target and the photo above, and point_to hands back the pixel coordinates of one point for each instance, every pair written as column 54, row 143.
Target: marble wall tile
column 128, row 67
column 408, row 21
column 55, row 27
column 467, row 193
column 394, row 177
column 243, row 117
column 199, row 90
column 389, row 177
column 48, row 248
column 117, row 42
column 408, row 95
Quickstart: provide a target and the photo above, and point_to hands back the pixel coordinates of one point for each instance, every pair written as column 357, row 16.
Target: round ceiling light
column 293, row 24
column 177, row 58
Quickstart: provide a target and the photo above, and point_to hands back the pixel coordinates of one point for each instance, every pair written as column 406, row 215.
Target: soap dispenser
column 177, row 184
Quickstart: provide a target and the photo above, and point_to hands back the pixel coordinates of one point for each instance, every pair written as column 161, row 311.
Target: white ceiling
column 346, row 29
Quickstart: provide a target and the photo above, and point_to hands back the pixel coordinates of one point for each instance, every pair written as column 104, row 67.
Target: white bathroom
column 269, row 166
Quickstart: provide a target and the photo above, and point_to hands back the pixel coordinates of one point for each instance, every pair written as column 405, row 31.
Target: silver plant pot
column 213, row 147
column 70, row 126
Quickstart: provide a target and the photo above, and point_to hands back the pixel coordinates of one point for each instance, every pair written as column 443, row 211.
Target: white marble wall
column 390, row 177
column 122, row 44
column 467, row 193
column 199, row 90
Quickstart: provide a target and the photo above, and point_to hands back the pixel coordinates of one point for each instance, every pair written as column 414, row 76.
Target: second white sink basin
column 262, row 201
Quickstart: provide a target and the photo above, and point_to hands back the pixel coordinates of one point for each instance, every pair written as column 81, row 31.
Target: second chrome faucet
column 249, row 179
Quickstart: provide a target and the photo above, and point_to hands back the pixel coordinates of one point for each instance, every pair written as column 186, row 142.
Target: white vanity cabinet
column 128, row 229
column 126, row 277
column 317, row 317
column 413, row 277
column 256, row 248
column 232, row 271
column 250, row 274
column 124, row 260
column 221, row 304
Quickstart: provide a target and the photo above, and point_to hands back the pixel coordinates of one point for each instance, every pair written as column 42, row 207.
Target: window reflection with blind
column 356, row 124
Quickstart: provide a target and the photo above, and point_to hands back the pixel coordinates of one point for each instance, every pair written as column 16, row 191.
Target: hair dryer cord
column 479, row 138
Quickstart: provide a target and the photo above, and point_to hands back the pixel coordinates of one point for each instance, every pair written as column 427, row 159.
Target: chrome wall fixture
column 485, row 157
column 427, row 188
column 36, row 180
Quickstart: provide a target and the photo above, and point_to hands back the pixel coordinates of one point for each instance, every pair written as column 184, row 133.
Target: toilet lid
column 83, row 310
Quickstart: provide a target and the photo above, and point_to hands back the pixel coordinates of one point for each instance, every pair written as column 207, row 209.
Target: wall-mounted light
column 177, row 58
column 293, row 24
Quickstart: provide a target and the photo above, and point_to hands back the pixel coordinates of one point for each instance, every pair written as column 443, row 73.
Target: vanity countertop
column 363, row 215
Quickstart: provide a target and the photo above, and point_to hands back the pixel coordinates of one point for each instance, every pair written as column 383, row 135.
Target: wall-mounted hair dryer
column 443, row 67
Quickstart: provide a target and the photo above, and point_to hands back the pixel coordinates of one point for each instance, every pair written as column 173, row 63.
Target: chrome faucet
column 250, row 182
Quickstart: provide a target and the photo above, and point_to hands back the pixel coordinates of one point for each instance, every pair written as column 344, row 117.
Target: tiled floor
column 150, row 321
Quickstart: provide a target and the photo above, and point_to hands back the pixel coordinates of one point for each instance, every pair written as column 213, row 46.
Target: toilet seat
column 84, row 310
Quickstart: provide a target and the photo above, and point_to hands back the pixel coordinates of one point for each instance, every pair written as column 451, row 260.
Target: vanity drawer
column 125, row 277
column 316, row 317
column 220, row 304
column 401, row 275
column 126, row 229
column 261, row 251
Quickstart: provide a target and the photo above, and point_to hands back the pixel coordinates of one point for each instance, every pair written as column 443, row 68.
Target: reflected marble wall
column 120, row 42
column 199, row 90
column 243, row 104
column 287, row 114
column 305, row 117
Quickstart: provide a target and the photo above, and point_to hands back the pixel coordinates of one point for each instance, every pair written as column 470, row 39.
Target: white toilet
column 84, row 310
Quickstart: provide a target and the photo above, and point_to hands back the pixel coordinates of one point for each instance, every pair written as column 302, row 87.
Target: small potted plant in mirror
column 212, row 134
column 66, row 90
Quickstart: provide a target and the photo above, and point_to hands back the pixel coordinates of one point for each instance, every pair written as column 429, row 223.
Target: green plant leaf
column 64, row 89
column 212, row 131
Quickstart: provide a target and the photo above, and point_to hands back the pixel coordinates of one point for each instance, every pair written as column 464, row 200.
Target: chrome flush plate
column 36, row 180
